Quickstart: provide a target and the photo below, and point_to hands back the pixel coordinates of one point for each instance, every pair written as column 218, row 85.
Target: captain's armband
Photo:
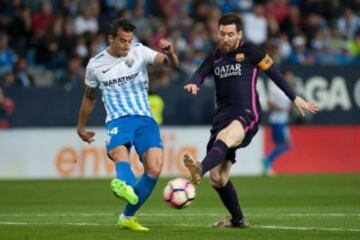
column 265, row 63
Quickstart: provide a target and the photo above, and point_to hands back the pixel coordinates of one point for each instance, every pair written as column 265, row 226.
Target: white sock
column 124, row 217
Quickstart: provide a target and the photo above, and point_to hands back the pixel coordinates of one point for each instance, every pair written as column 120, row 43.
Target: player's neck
column 237, row 44
column 113, row 53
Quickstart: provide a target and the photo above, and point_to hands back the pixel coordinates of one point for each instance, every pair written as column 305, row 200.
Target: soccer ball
column 179, row 193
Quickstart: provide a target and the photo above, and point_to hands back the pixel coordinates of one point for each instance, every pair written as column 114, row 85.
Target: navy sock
column 229, row 198
column 143, row 188
column 124, row 173
column 215, row 156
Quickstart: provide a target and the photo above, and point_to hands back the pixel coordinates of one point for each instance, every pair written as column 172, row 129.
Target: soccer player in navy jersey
column 234, row 65
column 121, row 75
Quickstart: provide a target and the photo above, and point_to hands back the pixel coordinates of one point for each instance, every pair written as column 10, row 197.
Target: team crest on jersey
column 239, row 57
column 129, row 62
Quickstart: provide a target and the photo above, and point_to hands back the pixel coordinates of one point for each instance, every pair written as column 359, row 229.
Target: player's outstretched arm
column 302, row 105
column 167, row 54
column 200, row 74
column 265, row 63
column 86, row 108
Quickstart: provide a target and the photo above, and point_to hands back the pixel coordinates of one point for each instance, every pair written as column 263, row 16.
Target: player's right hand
column 86, row 136
column 192, row 88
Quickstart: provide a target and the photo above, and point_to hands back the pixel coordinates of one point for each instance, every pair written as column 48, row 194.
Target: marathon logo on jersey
column 120, row 80
column 228, row 70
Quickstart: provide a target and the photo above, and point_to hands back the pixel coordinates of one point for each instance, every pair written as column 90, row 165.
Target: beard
column 123, row 52
column 226, row 47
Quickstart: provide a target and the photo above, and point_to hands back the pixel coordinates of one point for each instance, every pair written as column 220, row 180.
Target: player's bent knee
column 153, row 167
column 217, row 181
column 119, row 154
column 153, row 171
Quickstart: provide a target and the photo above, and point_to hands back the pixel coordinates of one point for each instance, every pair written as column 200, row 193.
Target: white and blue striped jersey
column 123, row 81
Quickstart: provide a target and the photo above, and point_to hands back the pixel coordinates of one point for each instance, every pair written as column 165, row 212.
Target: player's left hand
column 301, row 104
column 192, row 88
column 166, row 47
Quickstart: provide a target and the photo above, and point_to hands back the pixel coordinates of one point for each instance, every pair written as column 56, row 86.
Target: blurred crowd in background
column 48, row 42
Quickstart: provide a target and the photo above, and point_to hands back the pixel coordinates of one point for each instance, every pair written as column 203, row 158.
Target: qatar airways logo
column 228, row 70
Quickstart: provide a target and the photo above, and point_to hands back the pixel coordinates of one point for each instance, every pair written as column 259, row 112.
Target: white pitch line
column 178, row 214
column 258, row 214
column 55, row 214
column 305, row 228
column 195, row 225
column 319, row 214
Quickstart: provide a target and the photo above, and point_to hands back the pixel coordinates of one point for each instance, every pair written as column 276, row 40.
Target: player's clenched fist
column 165, row 47
column 85, row 135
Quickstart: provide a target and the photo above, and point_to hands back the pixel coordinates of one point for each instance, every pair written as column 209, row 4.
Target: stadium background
column 44, row 48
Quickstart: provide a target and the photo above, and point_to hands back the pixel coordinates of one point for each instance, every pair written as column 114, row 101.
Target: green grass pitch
column 283, row 207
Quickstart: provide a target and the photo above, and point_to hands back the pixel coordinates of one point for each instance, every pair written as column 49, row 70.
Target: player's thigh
column 219, row 175
column 153, row 160
column 147, row 136
column 233, row 134
column 121, row 134
column 119, row 153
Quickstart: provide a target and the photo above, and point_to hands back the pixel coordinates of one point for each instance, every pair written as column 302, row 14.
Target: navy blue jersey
column 235, row 75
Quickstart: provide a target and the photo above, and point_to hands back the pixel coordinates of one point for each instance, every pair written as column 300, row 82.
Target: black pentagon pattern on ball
column 181, row 205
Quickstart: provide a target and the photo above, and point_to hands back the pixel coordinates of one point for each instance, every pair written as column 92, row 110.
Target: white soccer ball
column 179, row 193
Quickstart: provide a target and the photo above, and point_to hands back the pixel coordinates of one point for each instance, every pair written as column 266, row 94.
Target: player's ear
column 240, row 35
column 110, row 38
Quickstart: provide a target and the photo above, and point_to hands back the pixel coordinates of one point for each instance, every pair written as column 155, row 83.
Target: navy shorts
column 139, row 131
column 250, row 126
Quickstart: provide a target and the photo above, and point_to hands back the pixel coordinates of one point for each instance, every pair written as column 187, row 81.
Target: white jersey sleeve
column 147, row 53
column 90, row 77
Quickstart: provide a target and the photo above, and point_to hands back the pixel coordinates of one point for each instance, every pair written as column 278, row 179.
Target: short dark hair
column 231, row 18
column 122, row 23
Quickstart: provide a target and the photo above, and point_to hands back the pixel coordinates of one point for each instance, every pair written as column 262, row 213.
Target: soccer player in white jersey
column 120, row 73
column 279, row 106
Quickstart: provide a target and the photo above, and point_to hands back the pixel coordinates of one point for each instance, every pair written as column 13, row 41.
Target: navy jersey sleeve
column 203, row 71
column 259, row 57
column 263, row 61
column 275, row 75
